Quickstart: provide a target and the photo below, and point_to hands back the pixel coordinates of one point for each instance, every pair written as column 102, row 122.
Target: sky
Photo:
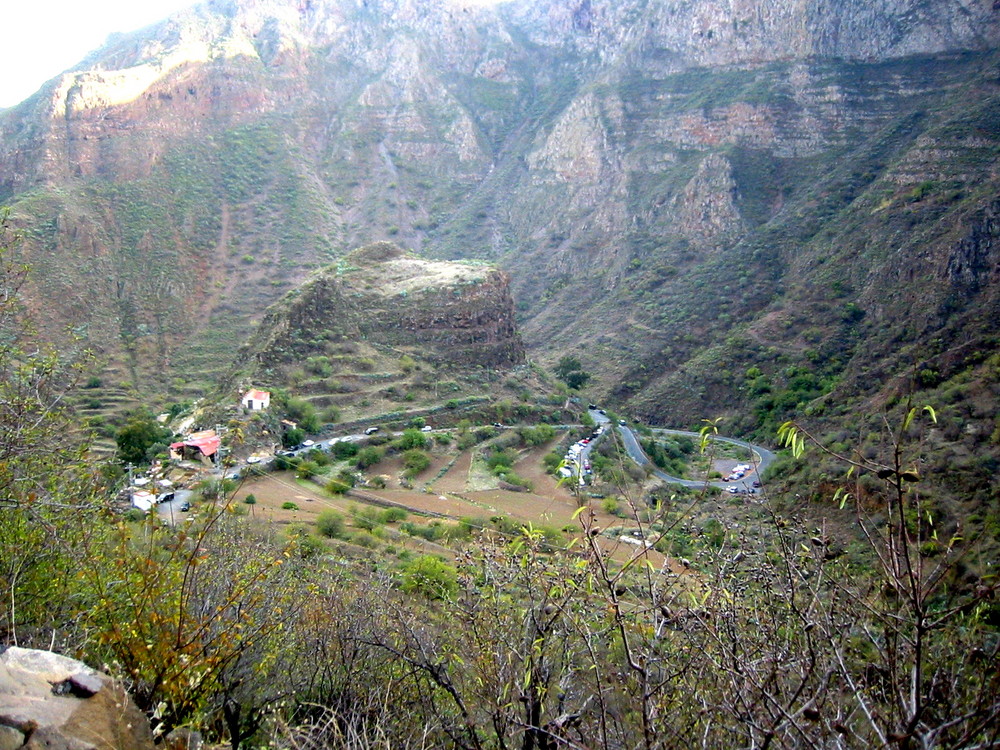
column 42, row 38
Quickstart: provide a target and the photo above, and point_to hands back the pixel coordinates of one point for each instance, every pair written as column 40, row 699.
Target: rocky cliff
column 454, row 314
column 680, row 191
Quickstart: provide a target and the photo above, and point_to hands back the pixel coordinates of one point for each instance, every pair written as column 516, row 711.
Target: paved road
column 170, row 511
column 762, row 458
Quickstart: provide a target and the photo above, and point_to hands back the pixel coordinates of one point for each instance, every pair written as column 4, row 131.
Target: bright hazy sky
column 42, row 38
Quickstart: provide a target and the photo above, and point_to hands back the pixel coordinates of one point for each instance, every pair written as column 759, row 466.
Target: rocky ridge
column 661, row 180
column 446, row 313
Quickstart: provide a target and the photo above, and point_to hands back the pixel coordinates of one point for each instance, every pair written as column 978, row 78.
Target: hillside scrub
column 777, row 636
column 770, row 635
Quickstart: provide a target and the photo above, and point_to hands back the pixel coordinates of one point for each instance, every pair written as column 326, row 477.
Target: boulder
column 54, row 702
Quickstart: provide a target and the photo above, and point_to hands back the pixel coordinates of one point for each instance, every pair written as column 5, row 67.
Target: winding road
column 759, row 458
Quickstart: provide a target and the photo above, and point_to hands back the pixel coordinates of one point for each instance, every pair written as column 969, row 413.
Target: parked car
column 185, row 506
column 307, row 443
column 426, row 428
column 371, row 430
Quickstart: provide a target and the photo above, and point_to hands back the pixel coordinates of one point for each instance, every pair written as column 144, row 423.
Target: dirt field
column 449, row 496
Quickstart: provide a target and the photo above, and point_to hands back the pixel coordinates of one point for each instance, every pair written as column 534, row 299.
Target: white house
column 255, row 400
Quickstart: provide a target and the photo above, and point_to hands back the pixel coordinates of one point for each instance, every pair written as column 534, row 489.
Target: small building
column 143, row 500
column 203, row 446
column 255, row 400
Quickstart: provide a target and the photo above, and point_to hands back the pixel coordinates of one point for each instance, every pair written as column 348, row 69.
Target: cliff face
column 445, row 313
column 681, row 34
column 677, row 189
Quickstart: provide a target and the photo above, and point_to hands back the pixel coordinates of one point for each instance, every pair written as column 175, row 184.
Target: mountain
column 754, row 209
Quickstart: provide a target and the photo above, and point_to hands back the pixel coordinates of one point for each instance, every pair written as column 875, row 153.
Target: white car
column 426, row 428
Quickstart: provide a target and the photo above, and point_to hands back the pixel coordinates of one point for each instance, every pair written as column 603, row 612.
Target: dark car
column 185, row 506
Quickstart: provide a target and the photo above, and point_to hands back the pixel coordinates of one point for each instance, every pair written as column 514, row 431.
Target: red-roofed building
column 202, row 446
column 255, row 400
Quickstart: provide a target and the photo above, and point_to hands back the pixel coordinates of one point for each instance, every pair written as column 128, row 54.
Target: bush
column 288, row 505
column 539, row 435
column 431, row 577
column 393, row 515
column 500, row 461
column 250, row 499
column 364, row 539
column 307, row 470
column 411, row 438
column 369, row 456
column 330, row 524
column 368, row 519
column 516, row 479
column 344, row 450
column 283, row 463
column 337, row 486
column 415, row 461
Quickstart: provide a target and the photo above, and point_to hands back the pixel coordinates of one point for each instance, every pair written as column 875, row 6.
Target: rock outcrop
column 449, row 313
column 53, row 702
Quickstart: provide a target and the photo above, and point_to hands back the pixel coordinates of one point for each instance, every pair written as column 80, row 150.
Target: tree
column 329, row 523
column 570, row 371
column 292, row 437
column 135, row 439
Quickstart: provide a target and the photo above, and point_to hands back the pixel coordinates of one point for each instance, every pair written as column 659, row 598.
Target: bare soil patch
column 457, row 477
column 273, row 490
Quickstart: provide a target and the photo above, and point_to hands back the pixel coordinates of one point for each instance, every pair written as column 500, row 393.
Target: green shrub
column 306, row 470
column 330, row 524
column 369, row 456
column 431, row 577
column 411, row 438
column 337, row 486
column 415, row 461
column 250, row 499
column 288, row 505
column 393, row 515
column 344, row 450
column 500, row 461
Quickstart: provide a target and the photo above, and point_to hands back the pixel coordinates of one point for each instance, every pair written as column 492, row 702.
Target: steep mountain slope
column 682, row 192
